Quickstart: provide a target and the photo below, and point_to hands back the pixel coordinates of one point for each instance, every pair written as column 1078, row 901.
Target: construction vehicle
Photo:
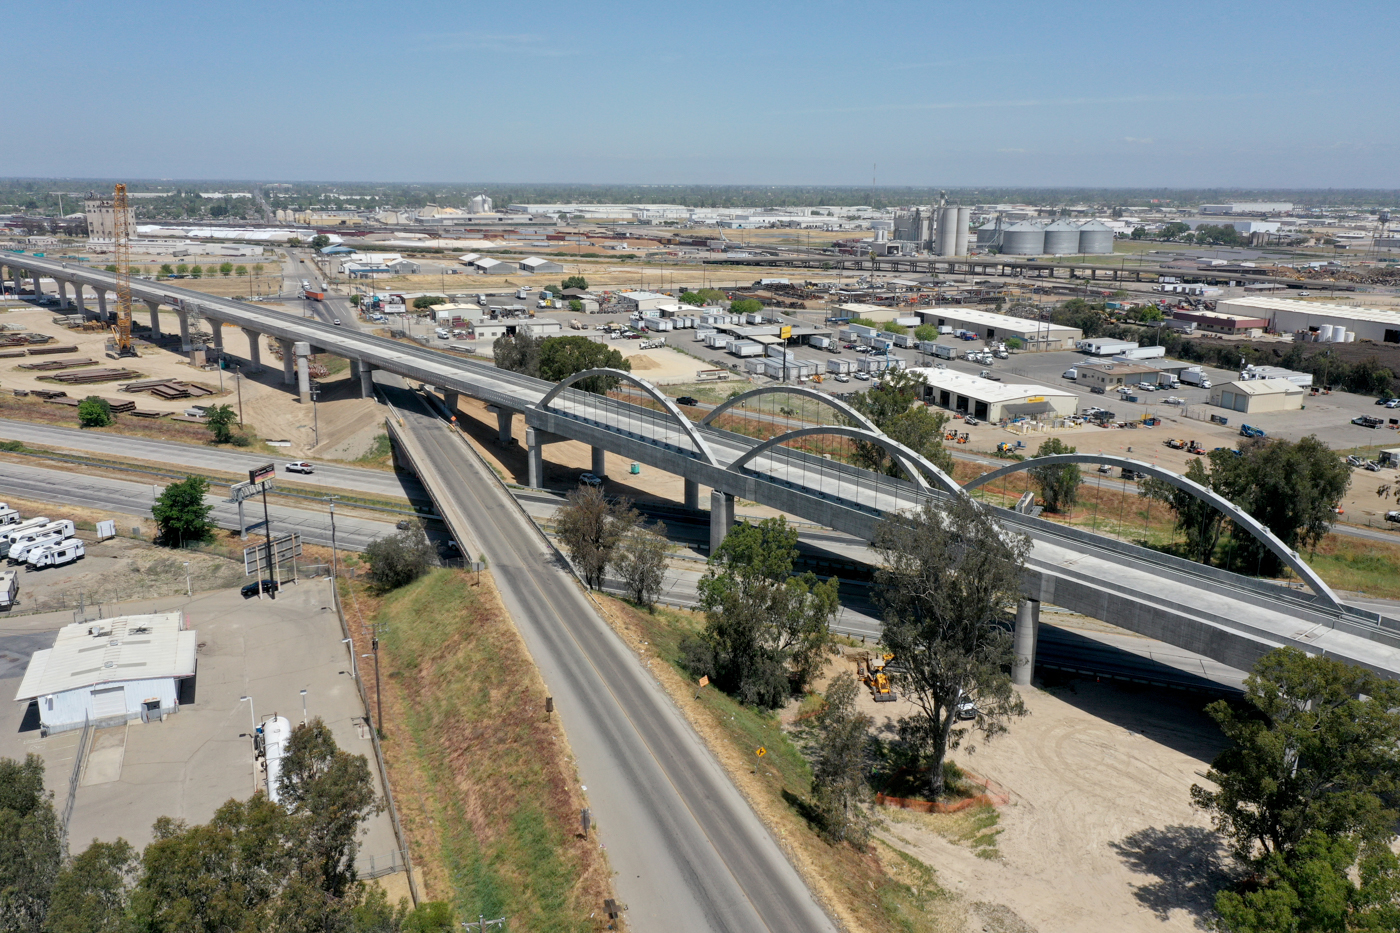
column 1175, row 443
column 871, row 672
column 1195, row 448
column 121, row 331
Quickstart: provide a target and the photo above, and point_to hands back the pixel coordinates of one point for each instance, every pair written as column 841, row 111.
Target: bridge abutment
column 721, row 518
column 1024, row 641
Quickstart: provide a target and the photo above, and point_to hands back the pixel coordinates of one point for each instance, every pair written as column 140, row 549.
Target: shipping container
column 743, row 348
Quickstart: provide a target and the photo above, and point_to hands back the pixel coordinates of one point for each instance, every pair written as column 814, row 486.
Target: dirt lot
column 1099, row 833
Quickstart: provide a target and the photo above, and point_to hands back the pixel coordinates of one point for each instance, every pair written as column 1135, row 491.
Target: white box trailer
column 56, row 555
column 756, row 366
column 820, row 343
column 716, row 340
column 777, row 352
column 9, row 588
column 906, row 341
column 743, row 348
column 841, row 367
column 945, row 352
column 1104, row 347
column 1142, row 353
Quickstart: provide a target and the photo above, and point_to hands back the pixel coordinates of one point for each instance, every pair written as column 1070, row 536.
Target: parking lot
column 188, row 765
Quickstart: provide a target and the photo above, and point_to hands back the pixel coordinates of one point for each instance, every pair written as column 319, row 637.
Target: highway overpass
column 1231, row 618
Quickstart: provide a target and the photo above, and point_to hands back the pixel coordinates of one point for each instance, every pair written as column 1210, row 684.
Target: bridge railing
column 635, row 421
column 834, row 479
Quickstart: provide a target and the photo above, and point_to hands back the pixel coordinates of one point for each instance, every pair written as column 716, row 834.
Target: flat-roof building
column 993, row 401
column 644, row 301
column 1216, row 322
column 1111, row 374
column 1258, row 395
column 110, row 671
column 1318, row 319
column 1036, row 335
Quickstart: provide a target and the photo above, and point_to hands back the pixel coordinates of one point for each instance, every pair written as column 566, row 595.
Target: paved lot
column 200, row 757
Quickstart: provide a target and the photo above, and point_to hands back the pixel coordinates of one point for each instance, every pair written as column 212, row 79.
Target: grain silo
column 964, row 221
column 989, row 234
column 947, row 242
column 1061, row 238
column 1095, row 239
column 1023, row 239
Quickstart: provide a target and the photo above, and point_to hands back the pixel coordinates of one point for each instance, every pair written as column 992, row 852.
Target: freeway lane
column 49, row 484
column 689, row 853
column 329, row 475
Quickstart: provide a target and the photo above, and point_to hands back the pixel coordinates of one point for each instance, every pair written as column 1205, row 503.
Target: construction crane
column 122, row 329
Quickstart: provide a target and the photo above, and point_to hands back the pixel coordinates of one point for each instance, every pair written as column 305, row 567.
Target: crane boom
column 122, row 329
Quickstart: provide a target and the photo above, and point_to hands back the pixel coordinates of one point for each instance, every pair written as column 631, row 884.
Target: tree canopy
column 1058, row 483
column 400, row 558
column 220, row 420
column 181, row 514
column 746, row 306
column 30, row 845
column 561, row 357
column 895, row 408
column 518, row 353
column 591, row 528
column 94, row 412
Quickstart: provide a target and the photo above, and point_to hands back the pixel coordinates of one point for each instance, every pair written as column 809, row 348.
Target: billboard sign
column 262, row 473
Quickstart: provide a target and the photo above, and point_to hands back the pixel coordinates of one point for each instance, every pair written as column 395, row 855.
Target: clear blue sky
column 1184, row 93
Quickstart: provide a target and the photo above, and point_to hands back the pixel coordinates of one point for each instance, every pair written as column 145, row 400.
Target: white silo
column 964, row 221
column 947, row 242
column 1023, row 239
column 1351, row 336
column 1061, row 239
column 1095, row 239
column 1324, row 334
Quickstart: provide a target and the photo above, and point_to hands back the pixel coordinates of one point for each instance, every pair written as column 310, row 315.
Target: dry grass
column 878, row 889
column 40, row 412
column 486, row 785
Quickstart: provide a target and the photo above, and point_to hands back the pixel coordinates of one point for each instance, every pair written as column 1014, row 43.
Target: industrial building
column 1061, row 238
column 111, row 671
column 1231, row 325
column 1317, row 320
column 1036, row 335
column 643, row 301
column 102, row 218
column 993, row 401
column 488, row 266
column 1259, row 395
column 1249, row 207
column 535, row 264
column 1110, row 375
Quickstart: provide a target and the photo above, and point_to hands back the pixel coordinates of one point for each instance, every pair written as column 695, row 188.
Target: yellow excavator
column 871, row 672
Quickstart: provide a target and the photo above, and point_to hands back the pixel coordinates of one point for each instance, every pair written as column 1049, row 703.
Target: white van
column 56, row 555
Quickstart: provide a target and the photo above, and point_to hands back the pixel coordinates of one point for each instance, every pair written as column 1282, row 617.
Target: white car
column 842, row 377
column 298, row 466
column 335, row 321
column 863, row 377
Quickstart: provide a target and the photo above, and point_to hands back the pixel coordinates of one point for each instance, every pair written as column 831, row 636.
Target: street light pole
column 251, row 711
column 335, row 563
column 188, row 590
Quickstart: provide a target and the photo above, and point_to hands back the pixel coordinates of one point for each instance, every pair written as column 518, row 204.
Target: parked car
column 590, row 479
column 1392, row 516
column 403, row 524
column 842, row 377
column 1366, row 421
column 1355, row 461
column 268, row 586
column 1105, row 468
column 1392, row 403
column 298, row 466
column 687, row 400
column 335, row 321
column 863, row 377
column 1096, row 390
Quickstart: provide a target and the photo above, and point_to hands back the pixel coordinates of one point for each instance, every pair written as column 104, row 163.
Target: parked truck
column 821, row 343
column 945, row 352
column 1195, row 377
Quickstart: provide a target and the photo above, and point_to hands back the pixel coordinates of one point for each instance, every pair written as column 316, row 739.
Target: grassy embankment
column 485, row 782
column 878, row 890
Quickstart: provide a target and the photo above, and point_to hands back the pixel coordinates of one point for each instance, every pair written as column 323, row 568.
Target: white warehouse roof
column 84, row 654
column 1003, row 322
column 985, row 390
column 1260, row 303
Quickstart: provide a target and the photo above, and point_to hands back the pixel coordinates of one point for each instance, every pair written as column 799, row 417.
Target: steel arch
column 1237, row 515
column 914, row 463
column 836, row 404
column 702, row 449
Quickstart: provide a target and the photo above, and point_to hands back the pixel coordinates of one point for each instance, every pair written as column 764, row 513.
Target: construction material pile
column 168, row 388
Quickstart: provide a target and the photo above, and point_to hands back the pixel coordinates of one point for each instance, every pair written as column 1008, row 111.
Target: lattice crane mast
column 122, row 329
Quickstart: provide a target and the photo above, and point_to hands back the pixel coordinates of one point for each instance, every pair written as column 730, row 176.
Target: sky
column 1120, row 94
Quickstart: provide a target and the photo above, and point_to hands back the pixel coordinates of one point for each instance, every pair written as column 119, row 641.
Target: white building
column 102, row 219
column 994, row 401
column 488, row 266
column 1036, row 335
column 1254, row 396
column 110, row 671
column 644, row 301
column 1318, row 320
column 537, row 265
column 1249, row 207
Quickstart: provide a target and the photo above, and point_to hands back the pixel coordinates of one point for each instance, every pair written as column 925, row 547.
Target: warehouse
column 643, row 301
column 111, row 671
column 1036, row 335
column 1258, row 395
column 993, row 401
column 1109, row 375
column 1233, row 325
column 535, row 264
column 1318, row 320
column 489, row 266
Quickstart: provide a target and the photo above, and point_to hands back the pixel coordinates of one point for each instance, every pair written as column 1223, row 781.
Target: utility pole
column 378, row 696
column 335, row 564
column 238, row 379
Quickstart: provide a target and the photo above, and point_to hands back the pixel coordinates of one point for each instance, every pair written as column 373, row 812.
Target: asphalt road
column 329, row 475
column 689, row 853
column 57, row 485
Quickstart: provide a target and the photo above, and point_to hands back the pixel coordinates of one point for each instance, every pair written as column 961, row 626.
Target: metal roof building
column 1315, row 317
column 110, row 671
column 994, row 401
column 1037, row 335
column 1258, row 395
column 536, row 264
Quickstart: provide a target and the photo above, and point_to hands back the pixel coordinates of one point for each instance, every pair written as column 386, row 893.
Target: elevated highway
column 1228, row 617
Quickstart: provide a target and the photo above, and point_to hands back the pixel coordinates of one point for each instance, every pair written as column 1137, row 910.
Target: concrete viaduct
column 1231, row 618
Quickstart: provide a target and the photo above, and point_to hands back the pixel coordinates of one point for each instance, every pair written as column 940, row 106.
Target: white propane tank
column 277, row 732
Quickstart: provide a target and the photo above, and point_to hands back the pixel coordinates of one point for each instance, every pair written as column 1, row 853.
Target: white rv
column 55, row 555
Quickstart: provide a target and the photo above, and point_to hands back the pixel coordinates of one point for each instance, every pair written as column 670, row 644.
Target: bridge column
column 155, row 318
column 217, row 327
column 184, row 317
column 289, row 362
column 692, row 494
column 102, row 304
column 78, row 297
column 303, row 351
column 366, row 381
column 63, row 301
column 1027, row 633
column 354, row 369
column 721, row 518
column 38, row 288
column 600, row 462
column 254, row 349
column 449, row 398
column 534, row 442
column 505, row 418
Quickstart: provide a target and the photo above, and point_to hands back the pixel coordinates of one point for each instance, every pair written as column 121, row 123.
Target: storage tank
column 276, row 733
column 1351, row 336
column 1324, row 334
column 1095, row 239
column 964, row 221
column 988, row 235
column 1061, row 238
column 1023, row 239
column 947, row 231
